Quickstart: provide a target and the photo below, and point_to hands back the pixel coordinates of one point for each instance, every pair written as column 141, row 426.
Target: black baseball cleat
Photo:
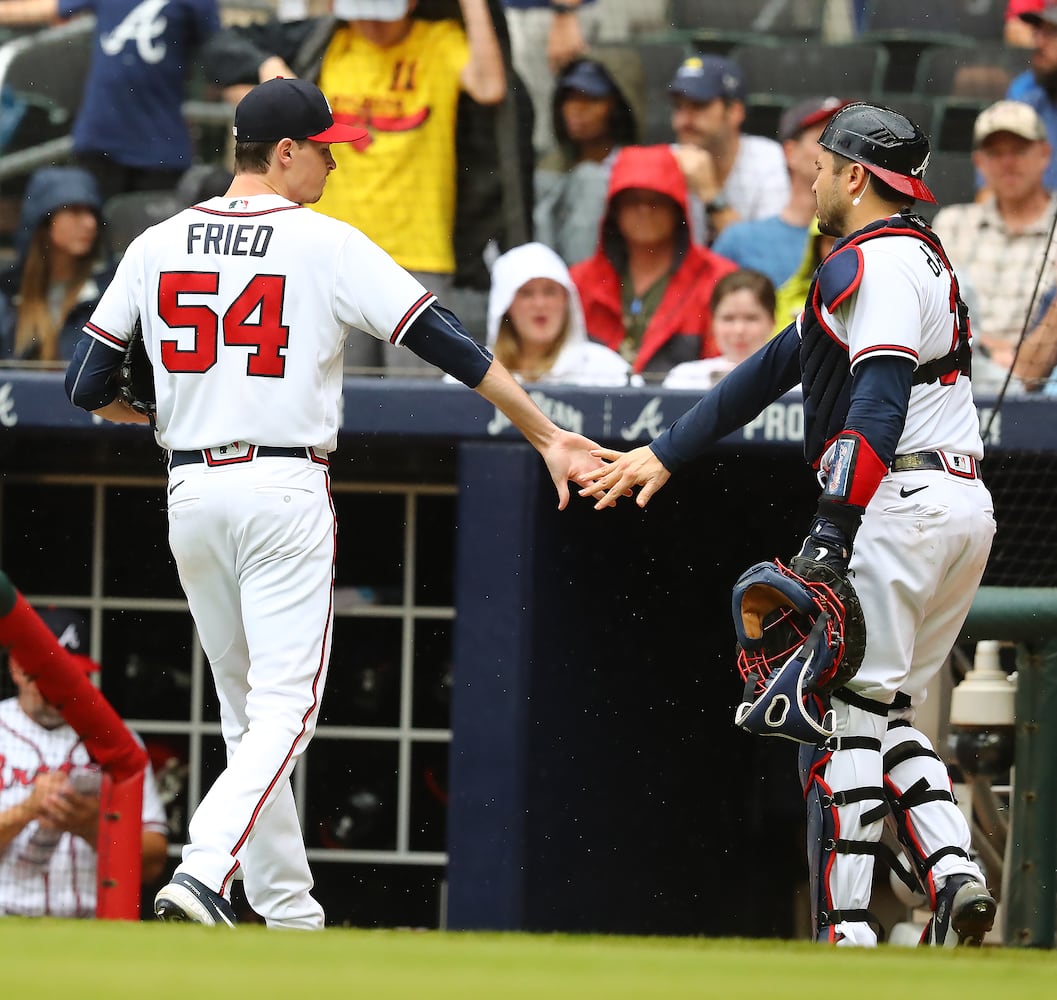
column 186, row 900
column 965, row 912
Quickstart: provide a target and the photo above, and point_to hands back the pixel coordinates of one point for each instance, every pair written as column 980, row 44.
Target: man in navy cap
column 730, row 175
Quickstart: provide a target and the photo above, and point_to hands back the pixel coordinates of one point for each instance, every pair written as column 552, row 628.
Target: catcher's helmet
column 885, row 142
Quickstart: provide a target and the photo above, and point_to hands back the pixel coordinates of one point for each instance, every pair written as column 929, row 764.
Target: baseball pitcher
column 245, row 302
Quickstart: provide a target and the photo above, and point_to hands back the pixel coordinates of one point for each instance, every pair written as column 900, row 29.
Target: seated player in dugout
column 49, row 798
column 423, row 77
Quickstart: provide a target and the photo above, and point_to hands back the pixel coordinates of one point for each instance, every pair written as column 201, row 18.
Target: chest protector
column 824, row 359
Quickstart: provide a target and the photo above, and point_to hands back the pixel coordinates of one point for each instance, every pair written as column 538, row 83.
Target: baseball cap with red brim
column 291, row 109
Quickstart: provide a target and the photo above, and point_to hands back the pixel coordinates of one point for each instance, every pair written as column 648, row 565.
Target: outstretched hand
column 621, row 471
column 570, row 457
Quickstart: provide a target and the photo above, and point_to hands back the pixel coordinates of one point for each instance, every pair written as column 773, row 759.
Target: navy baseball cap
column 704, row 78
column 586, row 77
column 291, row 109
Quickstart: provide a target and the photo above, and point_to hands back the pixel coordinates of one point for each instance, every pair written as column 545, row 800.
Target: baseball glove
column 135, row 377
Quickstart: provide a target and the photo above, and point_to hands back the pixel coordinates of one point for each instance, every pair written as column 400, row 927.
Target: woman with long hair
column 60, row 269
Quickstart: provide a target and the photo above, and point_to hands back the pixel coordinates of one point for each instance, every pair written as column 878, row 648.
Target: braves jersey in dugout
column 245, row 305
column 887, row 290
column 400, row 191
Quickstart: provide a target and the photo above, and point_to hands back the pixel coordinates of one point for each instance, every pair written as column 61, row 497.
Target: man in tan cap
column 999, row 244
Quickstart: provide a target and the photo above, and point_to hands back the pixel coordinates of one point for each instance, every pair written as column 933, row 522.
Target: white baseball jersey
column 216, row 289
column 65, row 885
column 903, row 308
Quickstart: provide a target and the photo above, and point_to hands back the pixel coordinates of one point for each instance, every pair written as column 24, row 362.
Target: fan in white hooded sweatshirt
column 579, row 361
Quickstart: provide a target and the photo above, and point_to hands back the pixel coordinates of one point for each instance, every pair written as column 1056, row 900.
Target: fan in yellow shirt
column 400, row 77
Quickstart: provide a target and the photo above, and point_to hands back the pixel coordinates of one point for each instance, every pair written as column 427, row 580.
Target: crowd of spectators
column 518, row 125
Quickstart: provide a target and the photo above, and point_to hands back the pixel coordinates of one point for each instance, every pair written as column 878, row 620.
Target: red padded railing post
column 119, row 854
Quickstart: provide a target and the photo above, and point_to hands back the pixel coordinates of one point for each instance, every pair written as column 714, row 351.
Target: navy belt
column 964, row 466
column 178, row 458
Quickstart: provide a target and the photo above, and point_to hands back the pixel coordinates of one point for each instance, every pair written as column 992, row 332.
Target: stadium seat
column 51, row 65
column 763, row 113
column 920, row 110
column 910, row 28
column 953, row 125
column 718, row 24
column 981, row 71
column 812, row 68
column 660, row 60
column 952, row 179
column 982, row 20
column 125, row 216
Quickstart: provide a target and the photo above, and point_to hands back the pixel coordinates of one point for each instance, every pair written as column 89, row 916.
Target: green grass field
column 87, row 960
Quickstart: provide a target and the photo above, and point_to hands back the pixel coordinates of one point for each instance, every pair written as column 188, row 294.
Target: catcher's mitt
column 135, row 377
column 801, row 634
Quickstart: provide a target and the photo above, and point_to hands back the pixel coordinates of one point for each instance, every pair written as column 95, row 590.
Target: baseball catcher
column 882, row 354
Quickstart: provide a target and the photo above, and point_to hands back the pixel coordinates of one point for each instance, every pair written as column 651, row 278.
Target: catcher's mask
column 790, row 643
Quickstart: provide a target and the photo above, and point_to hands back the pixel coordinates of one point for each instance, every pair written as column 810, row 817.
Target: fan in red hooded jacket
column 646, row 290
